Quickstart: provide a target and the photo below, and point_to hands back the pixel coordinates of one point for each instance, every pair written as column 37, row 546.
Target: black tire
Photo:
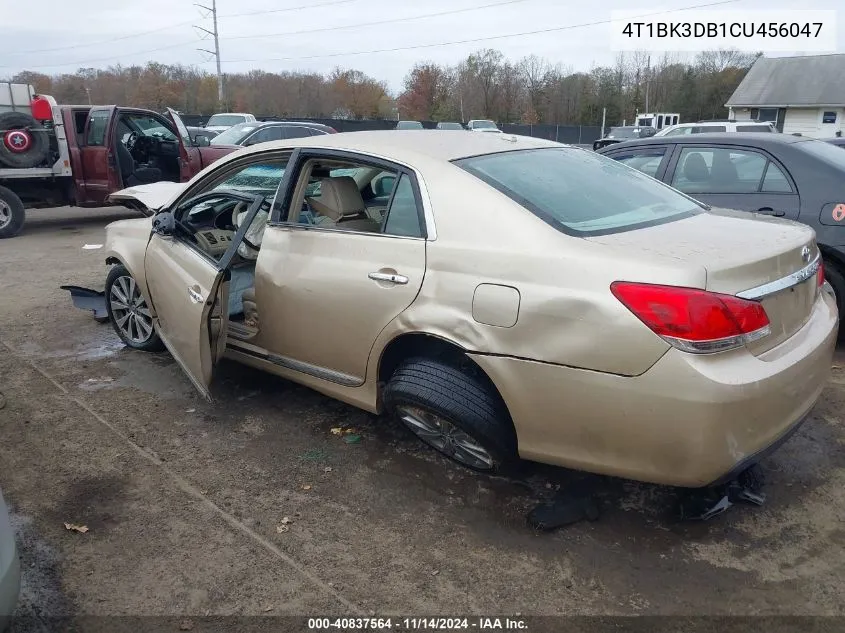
column 464, row 397
column 12, row 214
column 40, row 143
column 151, row 344
column 834, row 277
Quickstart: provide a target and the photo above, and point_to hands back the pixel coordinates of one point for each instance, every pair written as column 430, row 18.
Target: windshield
column 409, row 125
column 153, row 127
column 580, row 192
column 450, row 126
column 483, row 125
column 225, row 119
column 829, row 153
column 234, row 134
column 621, row 132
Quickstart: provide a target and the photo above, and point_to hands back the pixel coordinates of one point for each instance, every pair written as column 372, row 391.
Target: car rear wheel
column 454, row 410
column 128, row 312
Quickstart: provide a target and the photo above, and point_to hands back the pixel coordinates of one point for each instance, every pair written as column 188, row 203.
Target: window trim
column 680, row 147
column 835, row 117
column 370, row 160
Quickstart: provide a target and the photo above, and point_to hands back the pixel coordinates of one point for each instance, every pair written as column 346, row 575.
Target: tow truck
column 67, row 155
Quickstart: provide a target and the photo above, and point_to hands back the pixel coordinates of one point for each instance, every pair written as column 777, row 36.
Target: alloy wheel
column 447, row 438
column 129, row 310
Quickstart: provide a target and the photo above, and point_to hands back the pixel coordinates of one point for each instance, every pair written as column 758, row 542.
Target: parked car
column 10, row 568
column 708, row 127
column 792, row 177
column 623, row 133
column 448, row 125
column 223, row 121
column 526, row 299
column 246, row 134
column 196, row 132
column 409, row 125
column 483, row 125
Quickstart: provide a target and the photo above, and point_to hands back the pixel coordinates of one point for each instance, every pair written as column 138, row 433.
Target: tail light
column 333, row 131
column 820, row 274
column 694, row 320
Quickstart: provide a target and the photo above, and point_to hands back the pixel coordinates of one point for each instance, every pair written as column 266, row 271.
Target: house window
column 767, row 114
column 828, row 117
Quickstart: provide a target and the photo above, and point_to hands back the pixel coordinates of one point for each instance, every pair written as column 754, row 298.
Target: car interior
column 147, row 149
column 716, row 170
column 334, row 194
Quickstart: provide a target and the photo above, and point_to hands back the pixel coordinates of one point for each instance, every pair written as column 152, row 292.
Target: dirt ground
column 186, row 501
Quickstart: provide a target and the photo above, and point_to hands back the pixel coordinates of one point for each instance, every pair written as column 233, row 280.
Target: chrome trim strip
column 297, row 365
column 784, row 283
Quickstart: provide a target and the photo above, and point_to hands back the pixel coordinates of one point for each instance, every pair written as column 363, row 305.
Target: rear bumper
column 688, row 421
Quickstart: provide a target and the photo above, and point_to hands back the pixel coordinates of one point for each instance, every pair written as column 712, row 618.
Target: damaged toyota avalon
column 504, row 297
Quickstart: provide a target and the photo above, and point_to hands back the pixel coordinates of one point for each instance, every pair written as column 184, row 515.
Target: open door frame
column 192, row 325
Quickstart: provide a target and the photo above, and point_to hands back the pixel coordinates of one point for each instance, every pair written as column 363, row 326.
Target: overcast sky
column 86, row 25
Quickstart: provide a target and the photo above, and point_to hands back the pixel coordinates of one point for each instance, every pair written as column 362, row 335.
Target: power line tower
column 216, row 51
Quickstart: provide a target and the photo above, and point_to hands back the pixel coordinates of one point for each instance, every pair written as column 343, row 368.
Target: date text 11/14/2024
column 417, row 624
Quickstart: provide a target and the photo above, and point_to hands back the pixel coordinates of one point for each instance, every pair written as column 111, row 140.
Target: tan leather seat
column 340, row 200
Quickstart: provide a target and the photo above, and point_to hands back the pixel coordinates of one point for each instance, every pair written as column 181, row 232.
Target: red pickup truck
column 52, row 155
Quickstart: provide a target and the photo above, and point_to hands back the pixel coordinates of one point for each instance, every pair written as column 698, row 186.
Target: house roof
column 811, row 80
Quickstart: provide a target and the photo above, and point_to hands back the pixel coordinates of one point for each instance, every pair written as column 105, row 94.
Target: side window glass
column 97, row 123
column 402, row 216
column 718, row 170
column 775, row 181
column 296, row 131
column 646, row 162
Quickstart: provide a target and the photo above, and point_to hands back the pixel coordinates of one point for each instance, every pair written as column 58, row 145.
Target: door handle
column 770, row 211
column 195, row 296
column 389, row 278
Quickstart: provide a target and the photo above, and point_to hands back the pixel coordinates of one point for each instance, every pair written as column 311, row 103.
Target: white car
column 703, row 127
column 483, row 125
column 10, row 568
column 223, row 121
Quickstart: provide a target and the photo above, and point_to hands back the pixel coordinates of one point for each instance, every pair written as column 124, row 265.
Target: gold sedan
column 504, row 297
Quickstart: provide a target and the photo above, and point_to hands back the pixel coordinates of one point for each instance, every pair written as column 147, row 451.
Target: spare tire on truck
column 22, row 141
column 11, row 213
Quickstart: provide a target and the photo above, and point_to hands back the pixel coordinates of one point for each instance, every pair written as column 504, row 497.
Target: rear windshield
column 581, row 192
column 622, row 132
column 753, row 128
column 234, row 134
column 829, row 153
column 483, row 125
column 226, row 119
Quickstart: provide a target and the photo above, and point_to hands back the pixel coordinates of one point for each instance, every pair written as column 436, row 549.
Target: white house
column 804, row 95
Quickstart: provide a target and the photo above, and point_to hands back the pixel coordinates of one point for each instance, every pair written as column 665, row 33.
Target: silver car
column 10, row 568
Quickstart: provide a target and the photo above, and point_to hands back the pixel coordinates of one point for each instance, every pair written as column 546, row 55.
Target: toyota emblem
column 805, row 254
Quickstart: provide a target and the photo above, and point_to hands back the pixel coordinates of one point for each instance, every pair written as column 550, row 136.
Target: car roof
column 723, row 138
column 407, row 145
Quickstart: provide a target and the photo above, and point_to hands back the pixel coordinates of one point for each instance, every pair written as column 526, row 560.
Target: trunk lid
column 740, row 252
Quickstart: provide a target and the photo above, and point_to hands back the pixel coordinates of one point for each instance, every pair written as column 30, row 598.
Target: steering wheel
column 131, row 140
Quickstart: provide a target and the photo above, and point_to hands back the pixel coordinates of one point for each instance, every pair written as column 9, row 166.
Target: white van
column 658, row 120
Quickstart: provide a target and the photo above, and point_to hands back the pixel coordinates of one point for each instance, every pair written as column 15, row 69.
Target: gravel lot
column 186, row 501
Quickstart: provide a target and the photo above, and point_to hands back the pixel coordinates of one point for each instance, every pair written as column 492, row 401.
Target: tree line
column 484, row 85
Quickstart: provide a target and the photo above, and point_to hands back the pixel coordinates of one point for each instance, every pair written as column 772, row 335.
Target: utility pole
column 603, row 120
column 647, row 81
column 216, row 51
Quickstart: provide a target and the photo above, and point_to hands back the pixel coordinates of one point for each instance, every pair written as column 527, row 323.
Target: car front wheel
column 454, row 411
column 128, row 312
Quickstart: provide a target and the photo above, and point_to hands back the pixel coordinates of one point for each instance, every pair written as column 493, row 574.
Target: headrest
column 339, row 197
column 695, row 168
